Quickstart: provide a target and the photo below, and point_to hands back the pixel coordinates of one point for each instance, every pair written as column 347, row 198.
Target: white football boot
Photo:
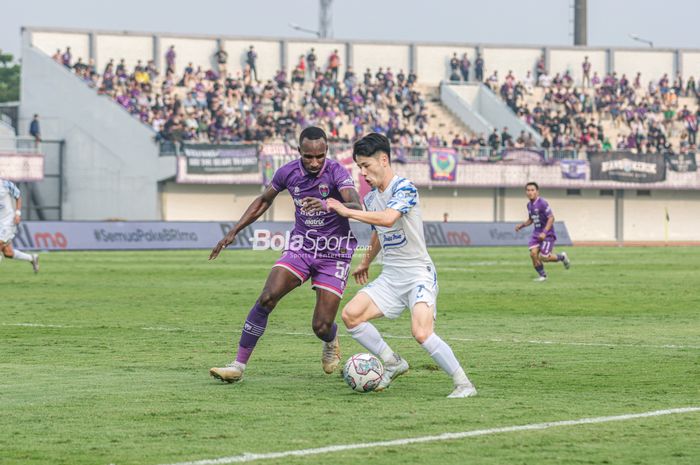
column 391, row 371
column 463, row 390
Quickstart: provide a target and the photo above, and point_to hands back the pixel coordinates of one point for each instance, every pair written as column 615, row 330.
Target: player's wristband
column 18, row 213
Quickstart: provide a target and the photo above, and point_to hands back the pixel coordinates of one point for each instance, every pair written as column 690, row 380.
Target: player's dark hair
column 371, row 145
column 312, row 133
column 532, row 184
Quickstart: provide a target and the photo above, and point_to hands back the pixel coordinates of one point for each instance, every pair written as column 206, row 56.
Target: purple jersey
column 324, row 233
column 539, row 211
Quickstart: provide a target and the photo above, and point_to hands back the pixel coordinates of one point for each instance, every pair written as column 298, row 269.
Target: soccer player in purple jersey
column 320, row 248
column 543, row 237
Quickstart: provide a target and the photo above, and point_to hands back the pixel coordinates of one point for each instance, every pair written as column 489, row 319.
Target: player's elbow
column 389, row 218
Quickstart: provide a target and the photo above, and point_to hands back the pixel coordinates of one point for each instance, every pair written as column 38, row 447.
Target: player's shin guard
column 369, row 338
column 441, row 353
column 253, row 329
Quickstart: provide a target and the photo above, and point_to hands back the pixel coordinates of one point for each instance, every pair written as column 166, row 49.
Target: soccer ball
column 363, row 372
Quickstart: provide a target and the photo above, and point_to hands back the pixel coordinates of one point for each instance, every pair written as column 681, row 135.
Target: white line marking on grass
column 250, row 457
column 37, row 325
column 387, row 336
column 521, row 341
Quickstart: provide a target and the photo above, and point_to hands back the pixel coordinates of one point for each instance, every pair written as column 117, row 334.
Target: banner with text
column 212, row 161
column 627, row 167
column 682, row 162
column 162, row 235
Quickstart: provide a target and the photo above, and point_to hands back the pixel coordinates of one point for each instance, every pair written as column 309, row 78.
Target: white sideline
column 389, row 336
column 250, row 457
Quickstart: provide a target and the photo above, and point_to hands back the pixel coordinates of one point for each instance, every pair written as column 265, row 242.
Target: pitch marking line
column 522, row 341
column 250, row 457
column 389, row 336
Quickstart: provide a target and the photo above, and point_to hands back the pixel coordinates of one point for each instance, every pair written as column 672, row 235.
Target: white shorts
column 7, row 231
column 392, row 296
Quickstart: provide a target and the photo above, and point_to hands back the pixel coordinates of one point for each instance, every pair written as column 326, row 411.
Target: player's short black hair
column 532, row 184
column 371, row 145
column 312, row 133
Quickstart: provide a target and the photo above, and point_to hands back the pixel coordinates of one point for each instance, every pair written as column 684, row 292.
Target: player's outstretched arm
column 385, row 218
column 351, row 199
column 254, row 211
column 361, row 273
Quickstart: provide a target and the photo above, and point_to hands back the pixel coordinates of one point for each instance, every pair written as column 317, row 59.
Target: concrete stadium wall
column 562, row 60
column 323, row 51
column 49, row 42
column 199, row 52
column 652, row 65
column 645, row 216
column 433, row 61
column 518, row 60
column 690, row 62
column 588, row 217
column 430, row 61
column 374, row 56
column 269, row 56
column 131, row 48
column 106, row 175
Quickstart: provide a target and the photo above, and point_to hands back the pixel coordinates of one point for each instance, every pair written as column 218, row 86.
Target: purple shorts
column 330, row 274
column 546, row 246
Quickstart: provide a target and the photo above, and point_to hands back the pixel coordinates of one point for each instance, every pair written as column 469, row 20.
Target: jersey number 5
column 342, row 270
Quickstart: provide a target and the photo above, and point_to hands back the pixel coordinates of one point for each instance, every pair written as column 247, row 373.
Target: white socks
column 19, row 255
column 368, row 337
column 445, row 358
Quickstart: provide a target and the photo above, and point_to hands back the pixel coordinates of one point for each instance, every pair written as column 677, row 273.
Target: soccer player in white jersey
column 408, row 278
column 10, row 217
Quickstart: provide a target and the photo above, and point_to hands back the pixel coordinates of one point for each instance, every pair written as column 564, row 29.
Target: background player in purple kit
column 543, row 237
column 320, row 247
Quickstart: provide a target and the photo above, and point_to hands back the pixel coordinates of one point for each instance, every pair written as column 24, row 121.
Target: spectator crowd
column 189, row 103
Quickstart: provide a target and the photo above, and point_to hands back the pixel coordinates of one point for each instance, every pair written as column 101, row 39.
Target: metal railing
column 19, row 145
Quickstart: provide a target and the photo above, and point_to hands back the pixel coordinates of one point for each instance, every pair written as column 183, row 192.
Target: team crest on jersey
column 296, row 190
column 324, row 190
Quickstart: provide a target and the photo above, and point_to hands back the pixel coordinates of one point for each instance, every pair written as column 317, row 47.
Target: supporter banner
column 521, row 156
column 627, row 167
column 78, row 235
column 443, row 164
column 21, row 167
column 573, row 169
column 682, row 162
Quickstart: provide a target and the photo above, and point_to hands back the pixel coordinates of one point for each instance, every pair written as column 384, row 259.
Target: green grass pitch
column 104, row 359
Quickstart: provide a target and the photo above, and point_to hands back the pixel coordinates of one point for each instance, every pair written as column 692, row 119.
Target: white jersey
column 403, row 244
column 9, row 193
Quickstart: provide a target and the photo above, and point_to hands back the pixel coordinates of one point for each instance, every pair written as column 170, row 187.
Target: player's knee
column 350, row 316
column 421, row 334
column 534, row 253
column 322, row 328
column 268, row 300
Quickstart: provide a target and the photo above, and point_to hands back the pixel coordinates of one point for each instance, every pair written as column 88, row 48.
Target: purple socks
column 253, row 329
column 540, row 270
